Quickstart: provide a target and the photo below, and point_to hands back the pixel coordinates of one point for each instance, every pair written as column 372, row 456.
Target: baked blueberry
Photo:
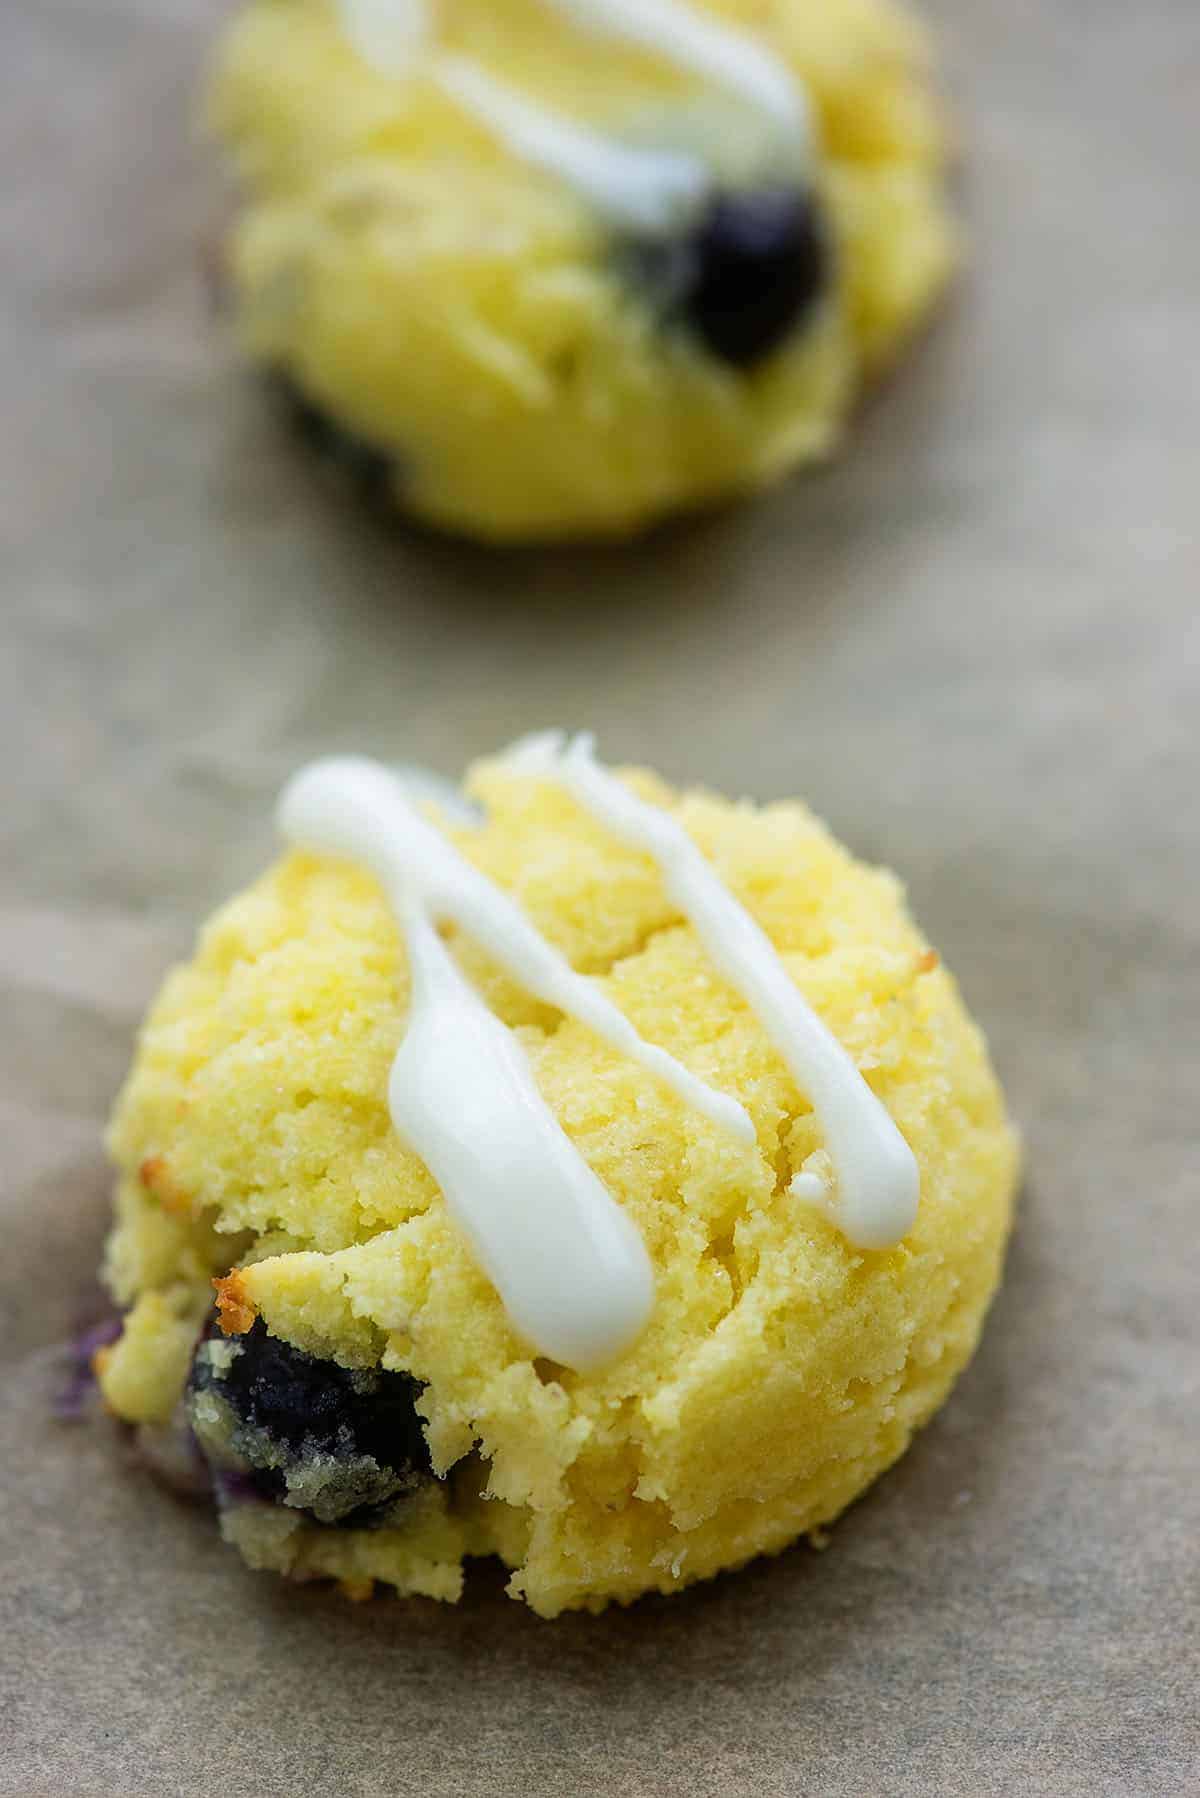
column 759, row 264
column 341, row 1444
column 746, row 275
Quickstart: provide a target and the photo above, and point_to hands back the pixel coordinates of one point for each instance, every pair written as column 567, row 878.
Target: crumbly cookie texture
column 782, row 1369
column 514, row 365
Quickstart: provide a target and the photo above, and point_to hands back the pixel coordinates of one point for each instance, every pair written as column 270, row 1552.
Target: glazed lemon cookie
column 608, row 1180
column 552, row 268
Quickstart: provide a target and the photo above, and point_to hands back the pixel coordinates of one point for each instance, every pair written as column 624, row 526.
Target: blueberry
column 746, row 273
column 343, row 1445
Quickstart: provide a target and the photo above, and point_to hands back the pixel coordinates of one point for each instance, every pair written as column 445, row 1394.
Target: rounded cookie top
column 510, row 330
column 256, row 1116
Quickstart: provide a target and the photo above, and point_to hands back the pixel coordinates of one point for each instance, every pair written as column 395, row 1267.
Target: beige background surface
column 973, row 645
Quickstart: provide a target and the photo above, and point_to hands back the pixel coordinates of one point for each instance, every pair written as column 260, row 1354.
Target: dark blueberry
column 747, row 272
column 366, row 464
column 299, row 1398
column 341, row 1444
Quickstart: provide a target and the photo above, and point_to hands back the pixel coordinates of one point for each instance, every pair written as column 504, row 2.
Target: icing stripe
column 388, row 34
column 568, row 1263
column 637, row 188
column 877, row 1184
column 695, row 41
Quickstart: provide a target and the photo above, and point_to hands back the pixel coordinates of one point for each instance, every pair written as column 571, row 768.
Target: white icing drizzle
column 703, row 45
column 876, row 1186
column 568, row 1263
column 639, row 188
column 389, row 34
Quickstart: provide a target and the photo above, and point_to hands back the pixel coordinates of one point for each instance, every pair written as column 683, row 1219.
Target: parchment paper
column 972, row 644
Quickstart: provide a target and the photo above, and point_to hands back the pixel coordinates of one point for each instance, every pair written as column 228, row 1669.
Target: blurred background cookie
column 555, row 268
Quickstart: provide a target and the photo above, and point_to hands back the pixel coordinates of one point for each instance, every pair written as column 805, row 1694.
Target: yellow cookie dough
column 515, row 365
column 782, row 1369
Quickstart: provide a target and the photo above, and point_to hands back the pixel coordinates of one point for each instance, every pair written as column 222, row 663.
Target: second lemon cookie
column 559, row 267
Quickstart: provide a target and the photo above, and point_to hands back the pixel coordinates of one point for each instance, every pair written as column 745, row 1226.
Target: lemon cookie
column 552, row 268
column 611, row 1181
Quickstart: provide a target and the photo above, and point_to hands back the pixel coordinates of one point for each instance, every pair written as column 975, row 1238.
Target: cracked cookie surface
column 781, row 1370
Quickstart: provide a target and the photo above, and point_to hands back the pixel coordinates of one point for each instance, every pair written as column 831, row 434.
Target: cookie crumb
column 236, row 1313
